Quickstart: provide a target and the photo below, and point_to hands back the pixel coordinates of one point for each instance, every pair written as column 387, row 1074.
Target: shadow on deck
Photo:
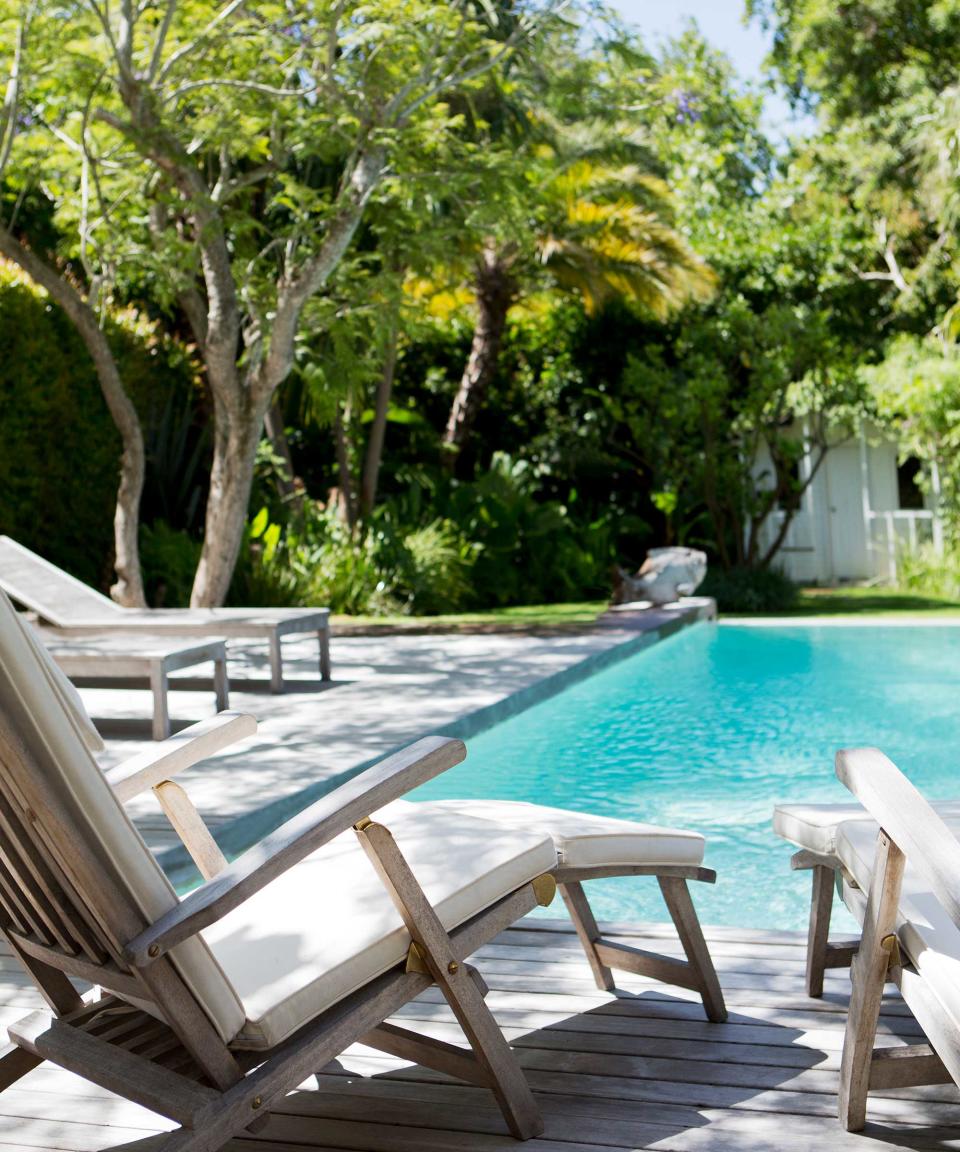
column 641, row 1069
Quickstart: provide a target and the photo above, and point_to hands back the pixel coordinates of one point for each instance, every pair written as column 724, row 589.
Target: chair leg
column 453, row 977
column 818, row 931
column 15, row 1063
column 868, row 975
column 276, row 663
column 324, row 638
column 676, row 895
column 581, row 914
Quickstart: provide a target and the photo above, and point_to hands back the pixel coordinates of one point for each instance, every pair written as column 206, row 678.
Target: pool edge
column 240, row 834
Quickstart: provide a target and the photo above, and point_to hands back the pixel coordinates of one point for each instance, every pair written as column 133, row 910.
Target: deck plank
column 638, row 1070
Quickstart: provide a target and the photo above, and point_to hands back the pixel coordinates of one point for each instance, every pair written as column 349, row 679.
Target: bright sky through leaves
column 722, row 23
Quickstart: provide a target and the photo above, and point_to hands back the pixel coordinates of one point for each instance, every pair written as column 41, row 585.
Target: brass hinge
column 415, row 960
column 891, row 945
column 544, row 888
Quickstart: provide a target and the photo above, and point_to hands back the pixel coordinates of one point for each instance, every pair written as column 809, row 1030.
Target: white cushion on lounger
column 66, row 692
column 927, row 934
column 814, row 826
column 328, row 926
column 584, row 840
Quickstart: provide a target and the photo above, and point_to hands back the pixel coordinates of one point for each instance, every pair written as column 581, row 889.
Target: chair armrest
column 901, row 811
column 309, row 830
column 178, row 752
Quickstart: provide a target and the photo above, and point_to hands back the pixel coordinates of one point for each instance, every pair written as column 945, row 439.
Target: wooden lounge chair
column 211, row 1007
column 76, row 609
column 895, row 860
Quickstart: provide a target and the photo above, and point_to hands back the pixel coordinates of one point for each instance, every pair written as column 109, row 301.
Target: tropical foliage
column 414, row 306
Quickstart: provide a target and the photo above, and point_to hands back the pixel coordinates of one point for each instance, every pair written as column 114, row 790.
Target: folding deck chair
column 76, row 609
column 895, row 861
column 209, row 1008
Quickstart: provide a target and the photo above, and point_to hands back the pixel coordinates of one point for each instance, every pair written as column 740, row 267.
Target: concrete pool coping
column 307, row 738
column 900, row 620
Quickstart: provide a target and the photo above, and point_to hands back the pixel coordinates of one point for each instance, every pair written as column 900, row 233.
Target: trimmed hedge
column 59, row 450
column 765, row 590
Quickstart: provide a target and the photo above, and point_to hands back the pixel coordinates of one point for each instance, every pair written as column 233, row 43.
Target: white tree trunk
column 235, row 439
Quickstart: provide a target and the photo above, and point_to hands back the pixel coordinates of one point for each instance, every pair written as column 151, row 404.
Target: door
column 848, row 537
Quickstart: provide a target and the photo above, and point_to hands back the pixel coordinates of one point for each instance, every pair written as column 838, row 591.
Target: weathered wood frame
column 152, row 668
column 909, row 829
column 72, row 916
column 696, row 972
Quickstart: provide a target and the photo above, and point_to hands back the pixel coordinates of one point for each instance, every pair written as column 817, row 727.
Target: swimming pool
column 708, row 729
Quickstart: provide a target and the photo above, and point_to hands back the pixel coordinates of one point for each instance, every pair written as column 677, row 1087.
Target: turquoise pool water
column 710, row 728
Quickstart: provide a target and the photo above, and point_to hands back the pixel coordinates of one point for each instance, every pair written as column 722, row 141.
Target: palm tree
column 599, row 227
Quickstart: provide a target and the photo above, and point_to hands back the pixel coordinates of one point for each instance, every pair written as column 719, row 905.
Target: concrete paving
column 387, row 691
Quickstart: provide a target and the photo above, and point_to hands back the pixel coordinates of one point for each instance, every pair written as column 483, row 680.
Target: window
column 909, row 476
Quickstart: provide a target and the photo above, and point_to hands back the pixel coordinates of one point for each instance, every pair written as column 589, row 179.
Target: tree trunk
column 235, row 439
column 496, row 290
column 348, row 508
column 276, row 434
column 378, row 429
column 128, row 590
column 790, row 513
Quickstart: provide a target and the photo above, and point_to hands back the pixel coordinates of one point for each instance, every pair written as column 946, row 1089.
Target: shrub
column 749, row 589
column 929, row 574
column 380, row 569
column 434, row 569
column 168, row 560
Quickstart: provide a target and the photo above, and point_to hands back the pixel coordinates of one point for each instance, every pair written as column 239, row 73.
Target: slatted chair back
column 44, row 588
column 77, row 881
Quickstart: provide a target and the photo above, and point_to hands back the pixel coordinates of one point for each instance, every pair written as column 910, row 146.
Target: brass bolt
column 153, row 950
column 256, row 1102
column 453, row 967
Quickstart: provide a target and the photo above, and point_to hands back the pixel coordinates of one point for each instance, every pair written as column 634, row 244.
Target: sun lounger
column 209, row 1008
column 76, row 609
column 93, row 661
column 895, row 859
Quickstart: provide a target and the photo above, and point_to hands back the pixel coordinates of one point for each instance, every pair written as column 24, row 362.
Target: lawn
column 870, row 601
column 852, row 601
column 527, row 618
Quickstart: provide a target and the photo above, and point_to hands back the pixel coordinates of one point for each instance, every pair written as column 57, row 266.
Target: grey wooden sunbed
column 76, row 609
column 895, row 861
column 92, row 661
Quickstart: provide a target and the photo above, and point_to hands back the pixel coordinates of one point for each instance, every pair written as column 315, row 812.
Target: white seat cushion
column 814, row 826
column 68, row 695
column 328, row 926
column 586, row 841
column 928, row 935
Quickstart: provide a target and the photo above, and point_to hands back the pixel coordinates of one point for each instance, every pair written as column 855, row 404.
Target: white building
column 859, row 514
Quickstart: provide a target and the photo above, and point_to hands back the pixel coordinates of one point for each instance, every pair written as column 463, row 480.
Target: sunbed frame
column 909, row 828
column 75, row 609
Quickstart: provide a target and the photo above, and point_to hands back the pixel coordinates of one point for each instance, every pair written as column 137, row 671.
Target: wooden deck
column 639, row 1070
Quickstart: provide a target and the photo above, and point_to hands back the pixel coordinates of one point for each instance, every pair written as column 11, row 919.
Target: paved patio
column 386, row 692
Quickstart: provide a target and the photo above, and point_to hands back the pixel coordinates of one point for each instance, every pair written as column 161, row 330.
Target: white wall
column 833, row 537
